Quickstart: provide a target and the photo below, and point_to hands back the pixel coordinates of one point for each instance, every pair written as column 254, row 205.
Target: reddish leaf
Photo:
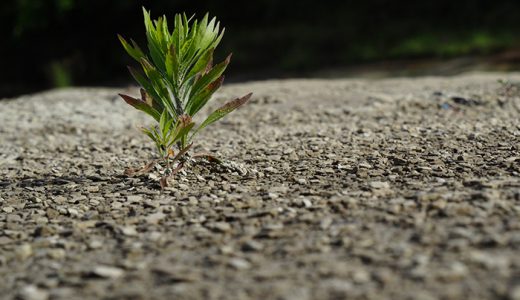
column 234, row 104
column 142, row 170
column 209, row 66
column 177, row 169
column 222, row 111
column 163, row 182
column 141, row 105
column 210, row 157
column 215, row 84
column 131, row 100
column 181, row 153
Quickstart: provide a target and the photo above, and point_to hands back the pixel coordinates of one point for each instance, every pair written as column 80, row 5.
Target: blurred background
column 57, row 43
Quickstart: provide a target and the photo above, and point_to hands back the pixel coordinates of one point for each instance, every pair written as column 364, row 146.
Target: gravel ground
column 331, row 189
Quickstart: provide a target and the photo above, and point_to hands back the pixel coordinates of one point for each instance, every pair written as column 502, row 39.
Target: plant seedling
column 178, row 79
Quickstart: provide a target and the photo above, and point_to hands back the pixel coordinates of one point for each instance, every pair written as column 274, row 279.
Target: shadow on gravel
column 230, row 172
column 62, row 180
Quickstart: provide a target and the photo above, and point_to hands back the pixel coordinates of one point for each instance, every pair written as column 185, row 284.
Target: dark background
column 50, row 43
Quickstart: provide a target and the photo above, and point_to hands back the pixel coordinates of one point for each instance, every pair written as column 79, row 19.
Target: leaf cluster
column 178, row 78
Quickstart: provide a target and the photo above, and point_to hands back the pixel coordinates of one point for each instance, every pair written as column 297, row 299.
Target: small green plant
column 179, row 79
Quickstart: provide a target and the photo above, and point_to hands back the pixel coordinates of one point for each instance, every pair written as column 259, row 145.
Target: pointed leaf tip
column 234, row 104
column 223, row 111
column 228, row 58
column 141, row 105
column 128, row 99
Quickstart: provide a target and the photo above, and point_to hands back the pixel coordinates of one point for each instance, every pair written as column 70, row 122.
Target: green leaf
column 135, row 52
column 182, row 127
column 209, row 34
column 210, row 76
column 183, row 133
column 162, row 124
column 160, row 85
column 148, row 88
column 222, row 112
column 202, row 63
column 203, row 97
column 154, row 42
column 172, row 65
column 148, row 133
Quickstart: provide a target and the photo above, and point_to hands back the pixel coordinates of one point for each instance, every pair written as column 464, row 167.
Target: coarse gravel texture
column 403, row 188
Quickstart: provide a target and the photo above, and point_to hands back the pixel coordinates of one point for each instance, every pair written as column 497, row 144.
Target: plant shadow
column 49, row 180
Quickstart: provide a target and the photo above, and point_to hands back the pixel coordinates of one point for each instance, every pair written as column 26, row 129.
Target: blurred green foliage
column 60, row 42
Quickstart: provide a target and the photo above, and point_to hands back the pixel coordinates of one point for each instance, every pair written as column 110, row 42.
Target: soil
column 403, row 188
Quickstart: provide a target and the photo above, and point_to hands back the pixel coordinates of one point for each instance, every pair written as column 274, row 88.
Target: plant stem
column 168, row 167
column 183, row 142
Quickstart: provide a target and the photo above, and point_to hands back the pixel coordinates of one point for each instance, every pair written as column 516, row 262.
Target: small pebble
column 107, row 272
column 32, row 292
column 24, row 251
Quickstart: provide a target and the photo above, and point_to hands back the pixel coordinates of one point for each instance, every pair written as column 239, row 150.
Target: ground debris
column 343, row 188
